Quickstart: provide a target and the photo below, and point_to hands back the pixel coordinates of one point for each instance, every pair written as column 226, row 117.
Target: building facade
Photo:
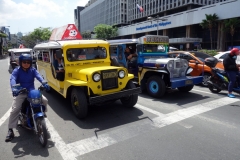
column 178, row 19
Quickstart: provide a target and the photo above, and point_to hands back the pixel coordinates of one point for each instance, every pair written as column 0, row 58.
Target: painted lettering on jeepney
column 155, row 40
column 109, row 75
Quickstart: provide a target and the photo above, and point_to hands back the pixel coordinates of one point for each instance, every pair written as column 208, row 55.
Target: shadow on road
column 27, row 143
column 176, row 97
column 101, row 117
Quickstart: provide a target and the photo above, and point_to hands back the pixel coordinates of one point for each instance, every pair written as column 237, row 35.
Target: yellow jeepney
column 81, row 71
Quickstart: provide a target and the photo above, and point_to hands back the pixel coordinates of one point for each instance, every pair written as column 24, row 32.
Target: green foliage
column 86, row 35
column 2, row 35
column 38, row 35
column 231, row 24
column 209, row 23
column 210, row 52
column 104, row 31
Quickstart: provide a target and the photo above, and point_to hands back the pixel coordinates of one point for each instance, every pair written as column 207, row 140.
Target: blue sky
column 26, row 15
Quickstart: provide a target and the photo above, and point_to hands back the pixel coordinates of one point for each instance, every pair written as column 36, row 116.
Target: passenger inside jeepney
column 131, row 57
column 59, row 65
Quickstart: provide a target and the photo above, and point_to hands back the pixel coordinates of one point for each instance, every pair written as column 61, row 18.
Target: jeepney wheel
column 156, row 86
column 186, row 88
column 131, row 100
column 79, row 103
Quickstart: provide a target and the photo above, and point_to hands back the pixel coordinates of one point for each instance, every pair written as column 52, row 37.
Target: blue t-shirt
column 25, row 78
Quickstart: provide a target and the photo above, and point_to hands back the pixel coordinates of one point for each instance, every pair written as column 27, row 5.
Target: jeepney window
column 40, row 56
column 79, row 54
column 46, row 57
column 113, row 51
column 153, row 48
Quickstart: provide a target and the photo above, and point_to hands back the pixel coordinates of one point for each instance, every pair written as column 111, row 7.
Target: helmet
column 25, row 57
column 234, row 51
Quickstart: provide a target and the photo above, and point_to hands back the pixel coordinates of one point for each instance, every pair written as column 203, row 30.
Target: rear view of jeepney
column 89, row 78
column 16, row 53
column 157, row 72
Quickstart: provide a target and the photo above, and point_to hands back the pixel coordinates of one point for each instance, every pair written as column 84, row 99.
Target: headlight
column 121, row 74
column 96, row 77
column 170, row 64
column 36, row 101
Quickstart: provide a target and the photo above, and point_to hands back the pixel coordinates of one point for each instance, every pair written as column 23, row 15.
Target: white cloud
column 11, row 10
column 82, row 2
column 26, row 15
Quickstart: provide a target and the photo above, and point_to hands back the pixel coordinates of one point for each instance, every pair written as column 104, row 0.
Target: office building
column 178, row 19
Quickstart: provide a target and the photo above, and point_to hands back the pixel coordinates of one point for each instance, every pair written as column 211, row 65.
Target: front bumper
column 113, row 96
column 185, row 81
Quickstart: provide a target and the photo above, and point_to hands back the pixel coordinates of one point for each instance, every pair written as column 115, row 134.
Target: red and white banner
column 65, row 32
column 21, row 46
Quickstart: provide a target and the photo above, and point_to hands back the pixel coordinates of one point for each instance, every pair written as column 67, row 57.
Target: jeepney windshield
column 153, row 48
column 20, row 53
column 79, row 54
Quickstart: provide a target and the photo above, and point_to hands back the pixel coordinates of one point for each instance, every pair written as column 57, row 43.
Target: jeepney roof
column 122, row 41
column 20, row 50
column 61, row 43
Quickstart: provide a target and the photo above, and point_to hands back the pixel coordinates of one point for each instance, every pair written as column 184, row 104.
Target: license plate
column 109, row 75
column 187, row 82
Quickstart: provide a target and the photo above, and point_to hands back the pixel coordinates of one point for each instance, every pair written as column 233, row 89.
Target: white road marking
column 5, row 117
column 202, row 91
column 95, row 143
column 159, row 114
column 63, row 149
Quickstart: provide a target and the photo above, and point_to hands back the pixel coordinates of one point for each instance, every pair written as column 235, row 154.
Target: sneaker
column 231, row 95
column 10, row 135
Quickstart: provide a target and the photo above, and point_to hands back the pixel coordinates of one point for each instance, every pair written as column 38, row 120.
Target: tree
column 86, row 34
column 104, row 31
column 230, row 25
column 209, row 23
column 38, row 35
column 2, row 35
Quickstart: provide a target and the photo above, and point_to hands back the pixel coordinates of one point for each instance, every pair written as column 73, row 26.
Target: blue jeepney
column 154, row 71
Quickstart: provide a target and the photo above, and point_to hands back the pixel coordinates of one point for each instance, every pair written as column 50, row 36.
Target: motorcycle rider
column 232, row 70
column 23, row 75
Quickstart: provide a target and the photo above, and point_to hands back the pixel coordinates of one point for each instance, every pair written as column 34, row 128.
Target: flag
column 139, row 8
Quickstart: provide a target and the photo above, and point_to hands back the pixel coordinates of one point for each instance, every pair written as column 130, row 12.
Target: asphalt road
column 180, row 126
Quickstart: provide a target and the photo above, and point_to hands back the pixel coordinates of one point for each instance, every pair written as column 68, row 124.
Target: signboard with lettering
column 152, row 39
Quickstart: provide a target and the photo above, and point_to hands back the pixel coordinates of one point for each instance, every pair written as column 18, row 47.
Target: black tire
column 79, row 109
column 131, row 100
column 185, row 88
column 42, row 131
column 205, row 77
column 156, row 86
column 214, row 89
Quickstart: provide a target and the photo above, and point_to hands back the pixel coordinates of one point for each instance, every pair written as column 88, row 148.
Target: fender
column 145, row 70
column 37, row 115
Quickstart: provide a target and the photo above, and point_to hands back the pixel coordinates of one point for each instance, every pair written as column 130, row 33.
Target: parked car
column 196, row 61
column 221, row 55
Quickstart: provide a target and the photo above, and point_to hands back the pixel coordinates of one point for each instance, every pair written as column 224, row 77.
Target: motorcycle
column 219, row 80
column 31, row 116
